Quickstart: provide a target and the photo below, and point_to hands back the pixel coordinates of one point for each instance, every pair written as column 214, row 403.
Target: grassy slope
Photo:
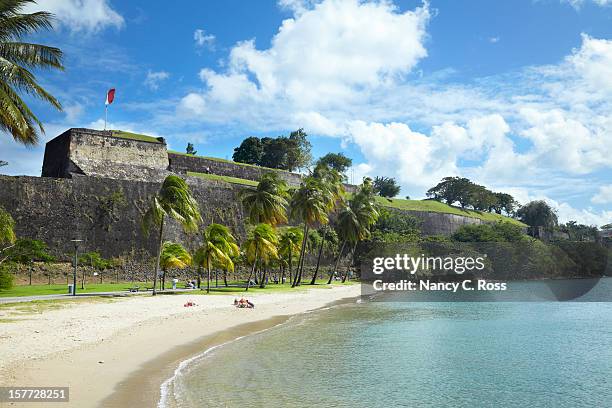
column 225, row 161
column 227, row 179
column 134, row 136
column 436, row 206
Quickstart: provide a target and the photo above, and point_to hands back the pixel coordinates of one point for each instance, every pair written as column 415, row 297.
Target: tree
column 190, row 149
column 580, row 232
column 606, row 227
column 336, row 161
column 95, row 261
column 289, row 245
column 275, row 153
column 173, row 255
column 482, row 199
column 538, row 214
column 217, row 250
column 267, row 203
column 261, row 247
column 452, row 190
column 173, row 200
column 250, row 151
column 395, row 226
column 28, row 251
column 7, row 230
column 3, row 163
column 16, row 60
column 298, row 152
column 310, row 205
column 355, row 220
column 505, row 203
column 386, row 187
column 330, row 183
column 498, row 232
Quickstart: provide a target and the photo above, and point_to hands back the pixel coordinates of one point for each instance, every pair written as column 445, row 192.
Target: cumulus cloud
column 577, row 4
column 603, row 196
column 324, row 55
column 80, row 15
column 154, row 78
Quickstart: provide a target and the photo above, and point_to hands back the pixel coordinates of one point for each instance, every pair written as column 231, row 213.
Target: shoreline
column 127, row 364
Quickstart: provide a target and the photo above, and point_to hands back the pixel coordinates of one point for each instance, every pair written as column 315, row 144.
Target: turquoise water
column 414, row 355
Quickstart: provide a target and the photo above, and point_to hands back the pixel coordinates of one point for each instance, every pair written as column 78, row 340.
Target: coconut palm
column 173, row 200
column 289, row 245
column 268, row 202
column 310, row 205
column 261, row 248
column 173, row 255
column 17, row 59
column 217, row 250
column 356, row 219
column 329, row 237
column 7, row 230
column 330, row 182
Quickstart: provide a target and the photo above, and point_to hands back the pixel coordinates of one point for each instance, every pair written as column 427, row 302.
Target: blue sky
column 514, row 94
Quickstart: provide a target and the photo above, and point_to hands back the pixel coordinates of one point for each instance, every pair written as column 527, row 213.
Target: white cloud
column 603, row 196
column 73, row 112
column 80, row 15
column 154, row 78
column 324, row 56
column 494, row 40
column 577, row 4
column 203, row 40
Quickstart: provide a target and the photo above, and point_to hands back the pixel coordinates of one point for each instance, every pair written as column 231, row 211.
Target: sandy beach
column 117, row 352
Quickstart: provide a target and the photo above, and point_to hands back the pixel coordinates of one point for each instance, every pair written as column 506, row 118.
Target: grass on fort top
column 234, row 288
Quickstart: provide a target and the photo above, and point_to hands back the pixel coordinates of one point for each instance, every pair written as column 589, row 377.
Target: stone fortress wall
column 96, row 186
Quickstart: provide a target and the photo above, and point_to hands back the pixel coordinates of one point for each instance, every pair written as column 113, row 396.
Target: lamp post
column 76, row 260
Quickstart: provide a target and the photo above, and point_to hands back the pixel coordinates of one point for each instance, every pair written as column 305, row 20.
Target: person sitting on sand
column 235, row 302
column 250, row 304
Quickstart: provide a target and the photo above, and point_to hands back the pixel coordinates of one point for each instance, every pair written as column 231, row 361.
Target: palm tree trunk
column 262, row 284
column 290, row 264
column 337, row 262
column 208, row 277
column 216, row 278
column 253, row 269
column 199, row 277
column 348, row 268
column 298, row 273
column 159, row 248
column 314, row 277
column 225, row 279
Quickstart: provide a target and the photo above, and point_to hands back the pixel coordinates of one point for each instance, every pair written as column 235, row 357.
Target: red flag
column 110, row 96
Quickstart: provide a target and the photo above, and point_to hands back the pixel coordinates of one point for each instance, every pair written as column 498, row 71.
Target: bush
column 6, row 277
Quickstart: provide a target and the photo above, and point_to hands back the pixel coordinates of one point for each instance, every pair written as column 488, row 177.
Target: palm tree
column 217, row 250
column 17, row 58
column 289, row 245
column 355, row 220
column 309, row 204
column 174, row 200
column 7, row 230
column 268, row 202
column 330, row 182
column 261, row 248
column 173, row 255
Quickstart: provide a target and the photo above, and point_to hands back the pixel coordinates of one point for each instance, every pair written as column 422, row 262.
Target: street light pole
column 76, row 260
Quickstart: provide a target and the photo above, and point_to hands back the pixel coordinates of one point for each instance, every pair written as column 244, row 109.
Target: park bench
column 134, row 289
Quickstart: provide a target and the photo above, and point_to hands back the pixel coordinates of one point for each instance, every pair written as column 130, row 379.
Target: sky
column 515, row 95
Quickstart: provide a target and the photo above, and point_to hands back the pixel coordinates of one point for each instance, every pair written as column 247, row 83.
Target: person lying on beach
column 244, row 303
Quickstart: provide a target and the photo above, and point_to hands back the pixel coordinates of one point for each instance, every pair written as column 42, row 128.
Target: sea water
column 399, row 354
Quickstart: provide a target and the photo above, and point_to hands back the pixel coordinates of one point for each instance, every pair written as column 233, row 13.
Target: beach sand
column 116, row 353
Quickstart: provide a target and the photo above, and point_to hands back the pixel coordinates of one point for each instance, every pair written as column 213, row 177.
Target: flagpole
column 105, row 115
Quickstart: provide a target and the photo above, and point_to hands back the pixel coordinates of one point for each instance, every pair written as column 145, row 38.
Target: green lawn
column 436, row 206
column 226, row 161
column 134, row 136
column 227, row 179
column 36, row 290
